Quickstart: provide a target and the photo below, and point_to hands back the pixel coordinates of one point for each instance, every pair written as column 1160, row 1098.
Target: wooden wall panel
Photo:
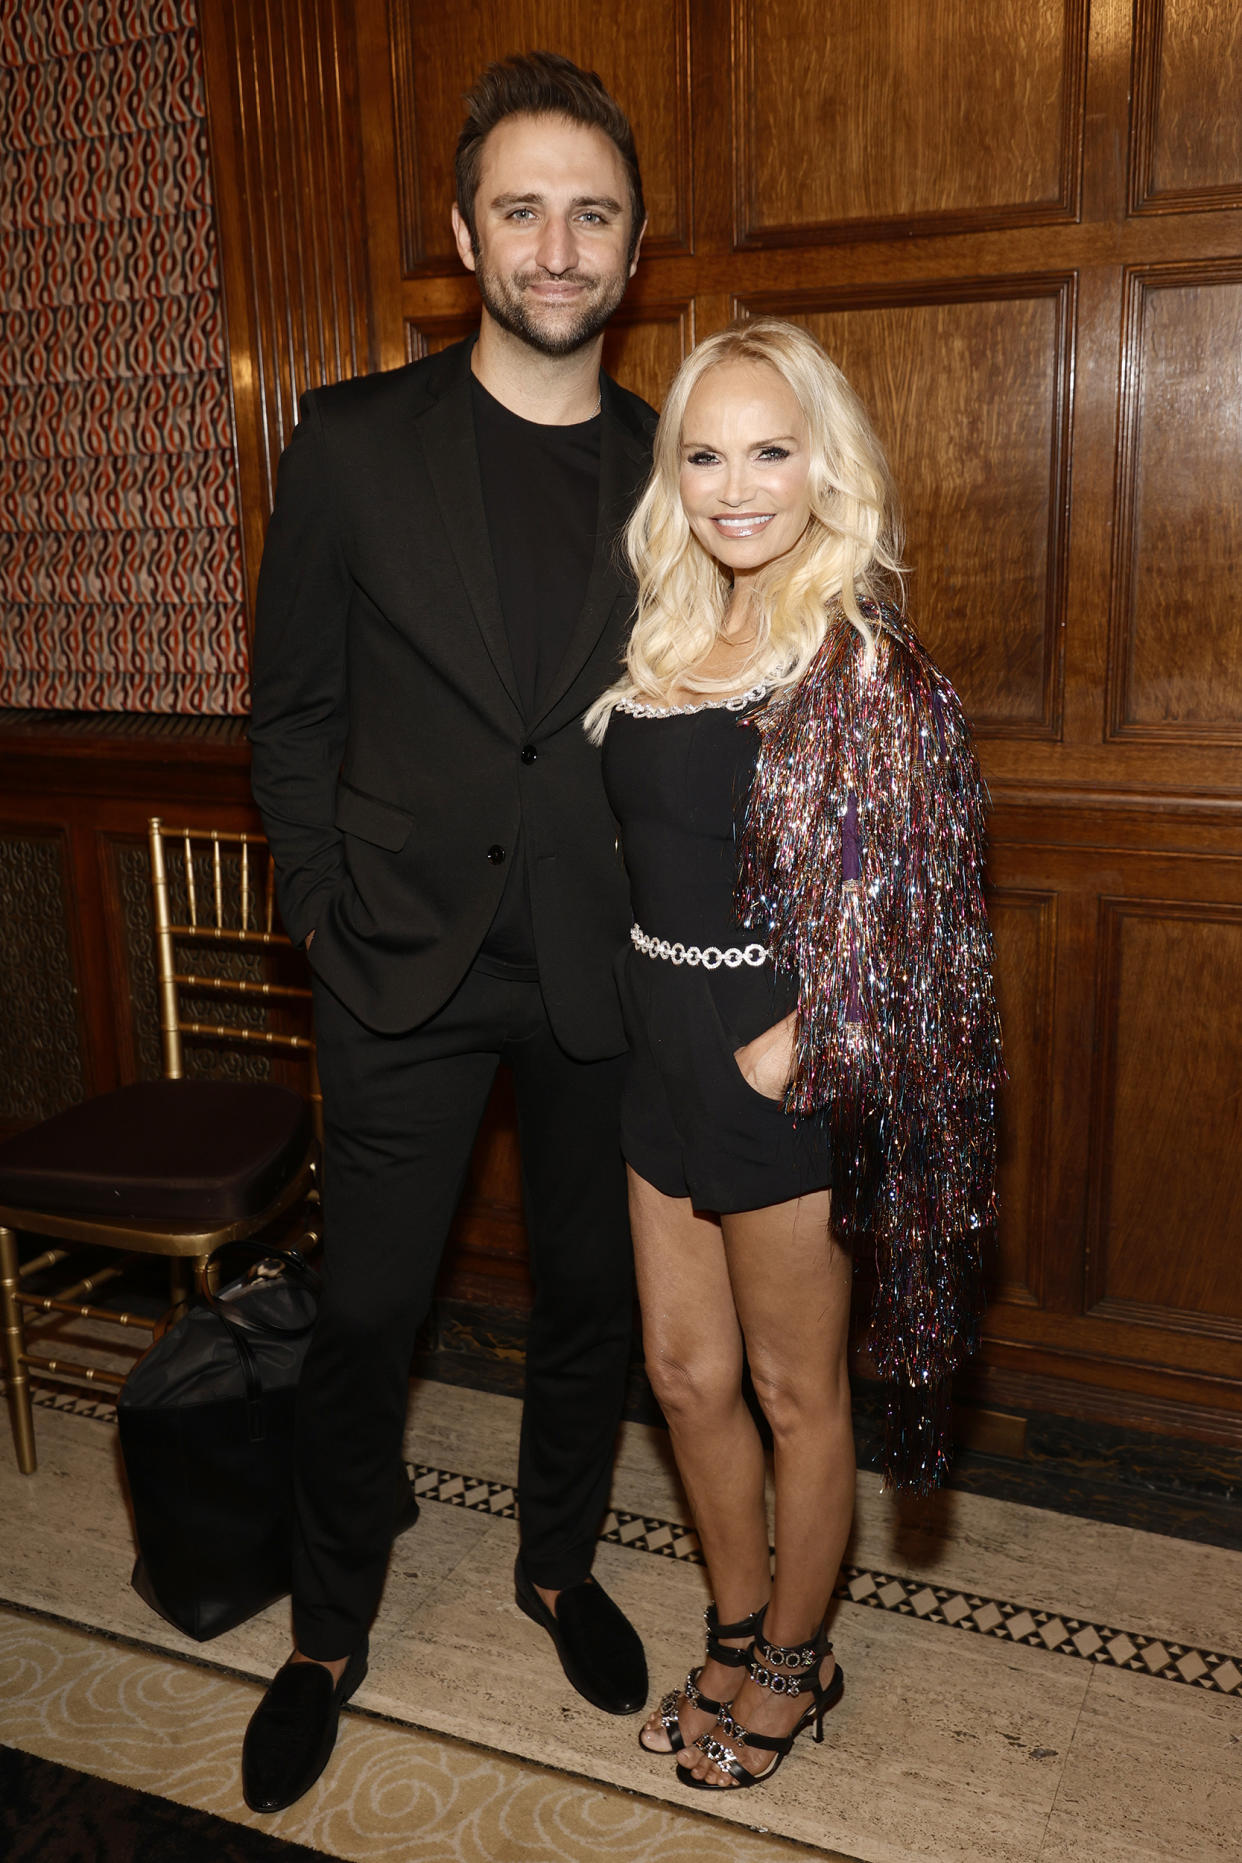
column 1168, row 1217
column 645, row 347
column 969, row 392
column 865, row 119
column 1177, row 622
column 1187, row 123
column 1024, row 927
column 427, row 336
column 437, row 53
column 287, row 161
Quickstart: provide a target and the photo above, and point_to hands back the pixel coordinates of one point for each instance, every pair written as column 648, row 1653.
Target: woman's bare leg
column 694, row 1362
column 791, row 1284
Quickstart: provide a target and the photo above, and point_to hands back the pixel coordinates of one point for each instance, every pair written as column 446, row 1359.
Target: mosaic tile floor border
column 1213, row 1671
column 1103, row 1645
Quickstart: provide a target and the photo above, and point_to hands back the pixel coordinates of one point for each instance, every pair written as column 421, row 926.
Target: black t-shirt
column 541, row 497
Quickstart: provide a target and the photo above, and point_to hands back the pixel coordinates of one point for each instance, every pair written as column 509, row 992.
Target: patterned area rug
column 104, row 1715
column 54, row 1814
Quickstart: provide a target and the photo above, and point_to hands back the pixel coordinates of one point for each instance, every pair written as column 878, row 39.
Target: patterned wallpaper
column 120, row 556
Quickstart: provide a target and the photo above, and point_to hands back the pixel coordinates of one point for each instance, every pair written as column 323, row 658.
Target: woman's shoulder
column 858, row 683
column 900, row 646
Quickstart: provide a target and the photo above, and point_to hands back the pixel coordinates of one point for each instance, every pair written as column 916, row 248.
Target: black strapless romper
column 690, row 1122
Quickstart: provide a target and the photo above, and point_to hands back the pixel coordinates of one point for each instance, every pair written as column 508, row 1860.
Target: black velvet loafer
column 599, row 1648
column 293, row 1730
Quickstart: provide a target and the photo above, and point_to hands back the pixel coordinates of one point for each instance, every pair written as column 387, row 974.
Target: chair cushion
column 189, row 1152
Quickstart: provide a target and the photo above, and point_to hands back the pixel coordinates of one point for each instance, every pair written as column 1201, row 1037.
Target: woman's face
column 745, row 466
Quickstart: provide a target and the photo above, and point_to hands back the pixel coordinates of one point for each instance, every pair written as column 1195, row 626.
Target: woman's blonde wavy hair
column 850, row 547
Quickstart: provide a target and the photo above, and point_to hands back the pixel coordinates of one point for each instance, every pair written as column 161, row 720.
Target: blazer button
column 495, row 855
column 529, row 754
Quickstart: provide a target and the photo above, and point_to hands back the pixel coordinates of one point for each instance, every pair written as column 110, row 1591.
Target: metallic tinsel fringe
column 898, row 1035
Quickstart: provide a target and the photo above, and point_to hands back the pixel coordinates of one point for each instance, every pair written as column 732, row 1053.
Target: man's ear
column 638, row 247
column 462, row 239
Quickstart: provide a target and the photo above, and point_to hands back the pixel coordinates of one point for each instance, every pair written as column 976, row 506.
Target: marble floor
column 1022, row 1685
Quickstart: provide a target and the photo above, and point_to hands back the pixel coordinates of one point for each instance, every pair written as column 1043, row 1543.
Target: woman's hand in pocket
column 766, row 1063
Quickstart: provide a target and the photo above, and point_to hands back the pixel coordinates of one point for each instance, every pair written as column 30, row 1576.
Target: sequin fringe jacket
column 898, row 1036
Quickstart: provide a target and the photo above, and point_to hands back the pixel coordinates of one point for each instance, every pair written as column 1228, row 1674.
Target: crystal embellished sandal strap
column 720, row 1755
column 721, row 1752
column 787, row 1669
column 669, row 1718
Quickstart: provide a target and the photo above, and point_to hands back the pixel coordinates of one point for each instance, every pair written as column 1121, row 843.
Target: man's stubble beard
column 507, row 305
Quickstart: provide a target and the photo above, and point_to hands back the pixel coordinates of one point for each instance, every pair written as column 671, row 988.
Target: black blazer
column 391, row 759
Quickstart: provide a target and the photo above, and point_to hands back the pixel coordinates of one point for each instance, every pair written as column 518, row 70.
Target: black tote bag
column 206, row 1426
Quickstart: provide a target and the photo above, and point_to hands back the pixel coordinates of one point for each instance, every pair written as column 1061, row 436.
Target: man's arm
column 299, row 716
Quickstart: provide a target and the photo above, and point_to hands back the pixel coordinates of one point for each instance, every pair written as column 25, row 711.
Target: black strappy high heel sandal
column 718, row 1651
column 792, row 1671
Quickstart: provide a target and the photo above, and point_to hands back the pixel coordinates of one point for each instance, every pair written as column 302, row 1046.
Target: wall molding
column 1062, row 288
column 1144, row 196
column 1063, row 207
column 1139, row 285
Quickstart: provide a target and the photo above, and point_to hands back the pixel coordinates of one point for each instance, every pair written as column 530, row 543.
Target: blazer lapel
column 623, row 467
column 446, row 433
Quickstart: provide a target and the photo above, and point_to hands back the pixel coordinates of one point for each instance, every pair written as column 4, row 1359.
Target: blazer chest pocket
column 369, row 819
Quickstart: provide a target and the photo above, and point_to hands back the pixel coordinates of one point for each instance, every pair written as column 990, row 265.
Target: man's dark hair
column 541, row 84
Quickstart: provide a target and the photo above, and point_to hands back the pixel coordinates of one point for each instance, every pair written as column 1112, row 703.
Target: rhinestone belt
column 710, row 956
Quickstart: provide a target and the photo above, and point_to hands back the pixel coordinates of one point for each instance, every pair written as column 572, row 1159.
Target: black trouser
column 400, row 1117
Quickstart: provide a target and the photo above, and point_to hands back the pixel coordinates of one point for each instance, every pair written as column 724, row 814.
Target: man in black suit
column 439, row 603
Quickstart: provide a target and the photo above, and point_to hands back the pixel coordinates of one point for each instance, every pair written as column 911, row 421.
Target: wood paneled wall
column 1019, row 229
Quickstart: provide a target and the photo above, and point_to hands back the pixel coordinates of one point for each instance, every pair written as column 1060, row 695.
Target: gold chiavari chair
column 180, row 1165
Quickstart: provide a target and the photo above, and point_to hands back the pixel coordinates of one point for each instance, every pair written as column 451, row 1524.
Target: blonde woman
column 808, row 996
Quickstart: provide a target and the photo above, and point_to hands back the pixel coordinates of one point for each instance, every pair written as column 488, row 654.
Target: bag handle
column 303, row 1274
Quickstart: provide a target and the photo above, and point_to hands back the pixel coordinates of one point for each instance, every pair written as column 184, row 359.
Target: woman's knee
column 795, row 1400
column 692, row 1384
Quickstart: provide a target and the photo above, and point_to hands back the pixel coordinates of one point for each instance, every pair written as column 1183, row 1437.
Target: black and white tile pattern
column 1104, row 1645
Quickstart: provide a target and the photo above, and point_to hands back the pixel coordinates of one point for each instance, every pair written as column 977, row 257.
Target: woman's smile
column 747, row 525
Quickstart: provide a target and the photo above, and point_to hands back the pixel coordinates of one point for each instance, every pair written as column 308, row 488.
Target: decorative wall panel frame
column 1139, row 284
column 416, row 260
column 1064, row 206
column 1098, row 1302
column 1144, row 196
column 425, row 335
column 1061, row 287
column 678, row 314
